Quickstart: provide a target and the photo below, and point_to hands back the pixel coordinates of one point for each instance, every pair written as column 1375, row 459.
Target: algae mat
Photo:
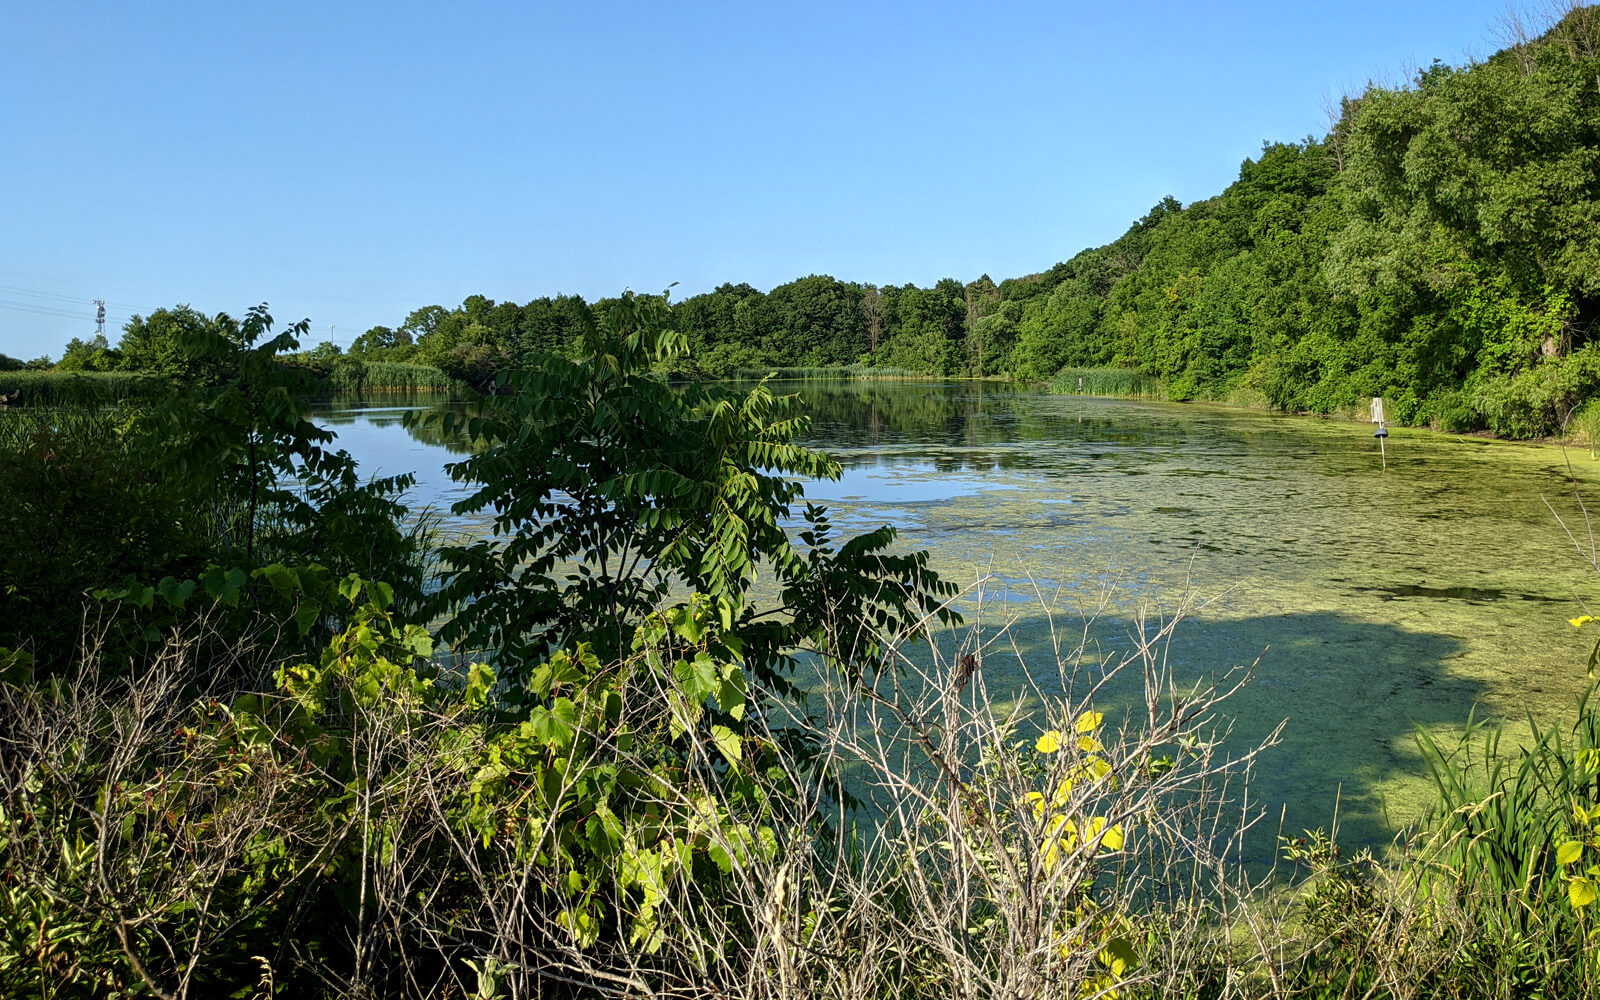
column 1376, row 600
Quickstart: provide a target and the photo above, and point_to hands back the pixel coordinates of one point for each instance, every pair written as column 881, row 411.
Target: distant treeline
column 1439, row 247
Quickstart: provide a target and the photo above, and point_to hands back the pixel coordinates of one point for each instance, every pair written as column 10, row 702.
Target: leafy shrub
column 1586, row 422
column 227, row 474
column 1537, row 401
column 1454, row 412
column 610, row 489
column 373, row 825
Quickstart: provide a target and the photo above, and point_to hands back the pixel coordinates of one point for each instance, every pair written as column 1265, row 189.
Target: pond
column 1373, row 601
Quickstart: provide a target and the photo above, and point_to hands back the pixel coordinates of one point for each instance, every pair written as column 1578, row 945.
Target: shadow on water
column 1351, row 694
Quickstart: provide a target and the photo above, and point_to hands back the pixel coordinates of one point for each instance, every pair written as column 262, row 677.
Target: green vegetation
column 671, row 747
column 1106, row 382
column 207, row 487
column 54, row 388
column 354, row 378
column 674, row 747
column 836, row 372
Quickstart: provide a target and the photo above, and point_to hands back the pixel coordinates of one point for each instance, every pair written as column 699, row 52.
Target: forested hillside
column 1440, row 247
column 1437, row 247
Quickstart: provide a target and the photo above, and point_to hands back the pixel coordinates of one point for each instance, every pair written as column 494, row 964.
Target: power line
column 43, row 310
column 54, row 304
column 56, row 296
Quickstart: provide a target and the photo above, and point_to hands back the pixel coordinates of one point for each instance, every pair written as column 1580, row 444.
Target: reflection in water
column 1375, row 601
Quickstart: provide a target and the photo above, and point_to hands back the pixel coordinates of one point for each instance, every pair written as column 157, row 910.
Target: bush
column 1537, row 401
column 216, row 480
column 610, row 490
column 1454, row 412
column 1585, row 422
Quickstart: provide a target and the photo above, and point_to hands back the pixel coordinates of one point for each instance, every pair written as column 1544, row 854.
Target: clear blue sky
column 347, row 163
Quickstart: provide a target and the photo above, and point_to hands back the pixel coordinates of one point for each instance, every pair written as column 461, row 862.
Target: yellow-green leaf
column 1050, row 742
column 727, row 741
column 1582, row 892
column 1569, row 852
column 1113, row 839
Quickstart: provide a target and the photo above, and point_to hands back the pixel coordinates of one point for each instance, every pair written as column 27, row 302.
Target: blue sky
column 348, row 163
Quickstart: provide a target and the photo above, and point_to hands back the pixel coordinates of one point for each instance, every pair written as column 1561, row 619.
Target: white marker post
column 1382, row 432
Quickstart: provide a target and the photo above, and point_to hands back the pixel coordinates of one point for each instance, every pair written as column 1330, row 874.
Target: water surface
column 1373, row 602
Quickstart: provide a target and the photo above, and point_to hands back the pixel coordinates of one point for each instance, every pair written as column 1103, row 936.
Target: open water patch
column 898, row 484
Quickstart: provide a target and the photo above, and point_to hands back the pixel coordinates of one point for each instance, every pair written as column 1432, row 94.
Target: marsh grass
column 833, row 372
column 1586, row 422
column 390, row 376
column 82, row 388
column 1120, row 382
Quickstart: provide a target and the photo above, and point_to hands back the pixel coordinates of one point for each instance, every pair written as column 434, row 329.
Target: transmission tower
column 99, row 317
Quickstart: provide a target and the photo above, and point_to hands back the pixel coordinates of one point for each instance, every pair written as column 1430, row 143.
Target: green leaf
column 280, row 578
column 583, row 927
column 305, row 615
column 416, row 639
column 350, row 588
column 1569, row 852
column 480, row 681
column 1581, row 892
column 16, row 665
column 174, row 592
column 728, row 743
column 553, row 726
column 224, row 586
column 381, row 595
column 731, row 694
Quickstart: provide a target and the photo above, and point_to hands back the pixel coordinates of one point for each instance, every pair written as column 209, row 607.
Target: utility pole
column 99, row 317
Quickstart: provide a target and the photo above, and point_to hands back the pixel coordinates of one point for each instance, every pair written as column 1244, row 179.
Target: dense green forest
column 1439, row 246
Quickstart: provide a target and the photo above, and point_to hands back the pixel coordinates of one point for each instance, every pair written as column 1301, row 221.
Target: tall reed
column 390, row 376
column 81, row 388
column 833, row 371
column 1121, row 382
